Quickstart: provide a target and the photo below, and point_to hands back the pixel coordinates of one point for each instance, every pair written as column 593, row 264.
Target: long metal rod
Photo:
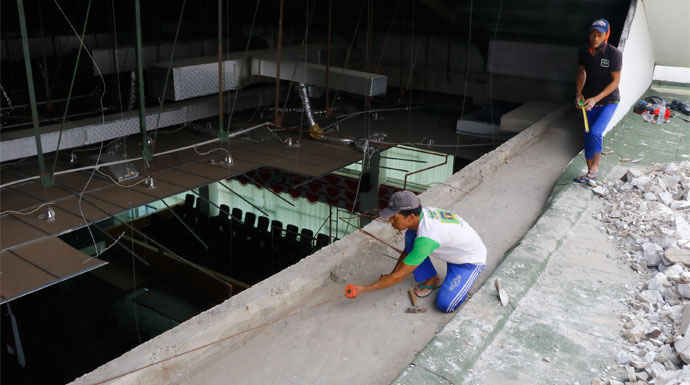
column 185, row 224
column 279, row 50
column 424, row 169
column 145, row 148
column 243, row 198
column 45, row 178
column 222, row 135
column 269, row 189
column 17, row 106
column 372, row 235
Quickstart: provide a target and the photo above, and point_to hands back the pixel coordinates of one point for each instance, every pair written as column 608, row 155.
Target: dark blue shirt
column 599, row 66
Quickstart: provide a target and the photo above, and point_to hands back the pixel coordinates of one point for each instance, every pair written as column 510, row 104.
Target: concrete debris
column 600, row 190
column 647, row 213
column 683, row 349
column 684, row 290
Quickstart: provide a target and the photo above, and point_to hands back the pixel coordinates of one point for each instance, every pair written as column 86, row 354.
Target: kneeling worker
column 432, row 231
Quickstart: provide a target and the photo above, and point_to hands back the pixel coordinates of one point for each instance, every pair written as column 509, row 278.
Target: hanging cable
column 98, row 69
column 467, row 72
column 167, row 74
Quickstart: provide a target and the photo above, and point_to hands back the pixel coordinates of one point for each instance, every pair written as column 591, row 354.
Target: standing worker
column 431, row 231
column 598, row 76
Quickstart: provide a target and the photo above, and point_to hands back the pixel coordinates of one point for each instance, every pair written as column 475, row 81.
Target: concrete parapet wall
column 244, row 314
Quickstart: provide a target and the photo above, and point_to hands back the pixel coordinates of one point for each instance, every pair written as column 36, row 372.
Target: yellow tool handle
column 584, row 115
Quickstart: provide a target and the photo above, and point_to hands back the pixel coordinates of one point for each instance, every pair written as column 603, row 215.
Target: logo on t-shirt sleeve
column 605, row 63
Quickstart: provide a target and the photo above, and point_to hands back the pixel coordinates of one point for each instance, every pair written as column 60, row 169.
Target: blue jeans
column 459, row 278
column 598, row 118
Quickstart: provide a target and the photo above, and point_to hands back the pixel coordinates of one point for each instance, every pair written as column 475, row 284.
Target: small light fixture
column 293, row 142
column 48, row 215
column 228, row 160
column 73, row 158
column 150, row 182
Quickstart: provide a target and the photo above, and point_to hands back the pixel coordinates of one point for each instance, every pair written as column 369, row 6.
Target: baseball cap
column 401, row 200
column 601, row 25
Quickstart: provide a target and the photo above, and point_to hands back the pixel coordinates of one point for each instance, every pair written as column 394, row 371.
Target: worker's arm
column 580, row 84
column 389, row 280
column 400, row 262
column 591, row 102
column 423, row 247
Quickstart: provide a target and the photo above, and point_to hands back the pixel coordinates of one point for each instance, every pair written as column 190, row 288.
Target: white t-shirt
column 445, row 235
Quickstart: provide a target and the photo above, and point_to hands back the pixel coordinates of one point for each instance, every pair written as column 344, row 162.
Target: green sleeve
column 423, row 246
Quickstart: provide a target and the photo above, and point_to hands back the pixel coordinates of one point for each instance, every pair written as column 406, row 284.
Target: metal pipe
column 424, row 169
column 270, row 190
column 279, row 50
column 302, row 90
column 145, row 142
column 186, row 226
column 373, row 236
column 45, row 178
column 222, row 134
column 244, row 199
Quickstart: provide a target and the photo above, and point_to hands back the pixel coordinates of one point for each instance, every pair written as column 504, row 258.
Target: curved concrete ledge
column 280, row 294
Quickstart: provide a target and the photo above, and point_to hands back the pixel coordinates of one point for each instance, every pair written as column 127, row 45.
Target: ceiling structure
column 92, row 98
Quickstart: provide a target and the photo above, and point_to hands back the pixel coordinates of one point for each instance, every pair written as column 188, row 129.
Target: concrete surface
column 566, row 283
column 297, row 327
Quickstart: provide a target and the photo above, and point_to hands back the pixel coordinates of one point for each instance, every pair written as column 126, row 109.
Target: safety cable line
column 117, row 58
column 467, row 71
column 98, row 69
column 167, row 73
column 246, row 51
column 71, row 85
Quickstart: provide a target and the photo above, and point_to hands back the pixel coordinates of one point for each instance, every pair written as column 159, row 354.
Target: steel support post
column 222, row 132
column 46, row 180
column 146, row 141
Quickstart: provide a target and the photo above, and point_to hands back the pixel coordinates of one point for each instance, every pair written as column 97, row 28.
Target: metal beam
column 145, row 140
column 46, row 180
column 354, row 82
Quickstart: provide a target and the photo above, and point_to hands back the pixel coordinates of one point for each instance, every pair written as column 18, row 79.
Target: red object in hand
column 351, row 291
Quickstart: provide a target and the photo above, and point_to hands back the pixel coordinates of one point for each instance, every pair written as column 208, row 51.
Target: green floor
column 634, row 141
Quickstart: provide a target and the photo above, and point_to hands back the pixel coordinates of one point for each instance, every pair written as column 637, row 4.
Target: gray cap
column 401, row 200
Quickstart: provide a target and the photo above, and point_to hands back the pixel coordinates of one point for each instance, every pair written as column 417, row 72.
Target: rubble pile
column 647, row 212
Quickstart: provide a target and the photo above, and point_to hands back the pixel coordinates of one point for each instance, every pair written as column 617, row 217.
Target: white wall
column 638, row 62
column 672, row 74
column 669, row 30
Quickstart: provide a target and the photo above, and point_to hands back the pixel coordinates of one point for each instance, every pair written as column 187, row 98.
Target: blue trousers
column 459, row 278
column 598, row 118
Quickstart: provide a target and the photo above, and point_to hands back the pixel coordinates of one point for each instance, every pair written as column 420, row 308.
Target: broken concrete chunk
column 666, row 197
column 600, row 190
column 658, row 282
column 652, row 253
column 650, row 296
column 682, row 227
column 624, row 357
column 684, row 290
column 615, row 382
column 631, row 373
column 674, row 272
column 684, row 321
column 649, row 196
column 656, row 369
column 680, row 205
column 641, row 183
column 683, row 349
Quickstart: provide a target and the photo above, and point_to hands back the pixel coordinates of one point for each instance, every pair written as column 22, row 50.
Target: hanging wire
column 98, row 69
column 117, row 58
column 467, row 72
column 167, row 74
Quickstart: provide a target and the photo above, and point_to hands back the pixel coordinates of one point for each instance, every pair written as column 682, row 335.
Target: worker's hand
column 590, row 103
column 579, row 100
column 351, row 291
